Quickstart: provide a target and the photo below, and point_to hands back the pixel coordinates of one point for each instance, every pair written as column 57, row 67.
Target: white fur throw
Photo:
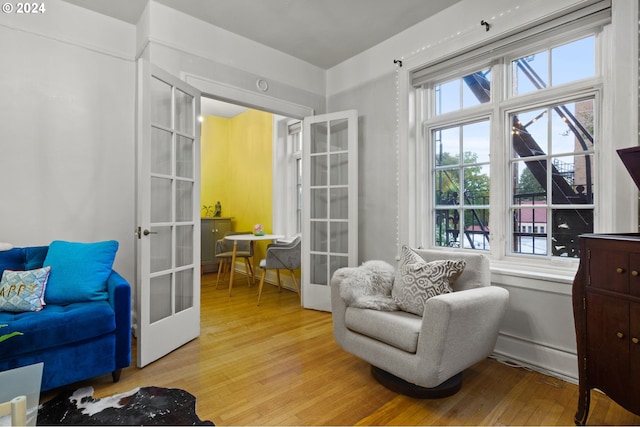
column 368, row 286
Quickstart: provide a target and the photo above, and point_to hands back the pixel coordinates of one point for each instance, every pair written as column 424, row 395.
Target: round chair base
column 446, row 389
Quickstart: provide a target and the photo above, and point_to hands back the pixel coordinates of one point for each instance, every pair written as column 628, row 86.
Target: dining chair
column 281, row 255
column 224, row 254
column 17, row 408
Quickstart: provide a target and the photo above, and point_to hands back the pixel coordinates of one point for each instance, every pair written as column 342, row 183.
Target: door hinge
column 584, row 303
column 138, row 232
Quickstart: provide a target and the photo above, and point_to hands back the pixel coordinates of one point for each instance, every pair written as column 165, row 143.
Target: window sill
column 555, row 277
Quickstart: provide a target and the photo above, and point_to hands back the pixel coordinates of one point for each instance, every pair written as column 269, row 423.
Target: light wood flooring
column 277, row 364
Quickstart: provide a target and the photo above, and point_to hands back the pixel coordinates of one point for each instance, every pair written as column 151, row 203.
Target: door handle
column 147, row 232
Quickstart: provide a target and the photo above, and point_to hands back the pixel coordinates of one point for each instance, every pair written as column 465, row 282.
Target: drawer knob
column 634, row 273
column 620, row 335
column 635, row 340
column 620, row 270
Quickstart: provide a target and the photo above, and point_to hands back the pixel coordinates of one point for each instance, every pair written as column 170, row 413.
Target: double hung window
column 295, row 174
column 509, row 143
column 287, row 176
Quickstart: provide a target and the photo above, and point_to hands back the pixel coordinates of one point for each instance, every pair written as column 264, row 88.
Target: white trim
column 539, row 281
column 540, row 358
column 245, row 97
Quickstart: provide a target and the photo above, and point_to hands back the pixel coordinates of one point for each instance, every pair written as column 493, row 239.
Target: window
column 461, row 181
column 294, row 165
column 287, row 176
column 552, row 176
column 510, row 144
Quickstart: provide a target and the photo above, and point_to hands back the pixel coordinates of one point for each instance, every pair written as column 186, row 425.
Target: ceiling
column 321, row 32
column 213, row 107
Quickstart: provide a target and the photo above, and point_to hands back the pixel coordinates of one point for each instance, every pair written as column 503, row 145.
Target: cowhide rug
column 141, row 406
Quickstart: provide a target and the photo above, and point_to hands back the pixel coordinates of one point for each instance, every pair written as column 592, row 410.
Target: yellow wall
column 214, row 154
column 237, row 169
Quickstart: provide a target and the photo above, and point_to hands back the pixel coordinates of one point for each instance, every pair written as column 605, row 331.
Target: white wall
column 377, row 152
column 67, row 129
column 538, row 330
column 187, row 47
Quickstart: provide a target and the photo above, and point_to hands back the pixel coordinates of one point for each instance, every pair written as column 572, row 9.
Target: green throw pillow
column 79, row 271
column 23, row 290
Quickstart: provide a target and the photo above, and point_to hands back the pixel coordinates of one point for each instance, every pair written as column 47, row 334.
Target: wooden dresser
column 606, row 308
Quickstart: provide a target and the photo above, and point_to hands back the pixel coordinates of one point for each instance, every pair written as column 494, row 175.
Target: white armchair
column 425, row 356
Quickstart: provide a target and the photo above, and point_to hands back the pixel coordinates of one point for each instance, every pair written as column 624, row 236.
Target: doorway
column 248, row 172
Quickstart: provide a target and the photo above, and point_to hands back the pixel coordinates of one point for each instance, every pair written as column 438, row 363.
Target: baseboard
column 549, row 361
column 271, row 277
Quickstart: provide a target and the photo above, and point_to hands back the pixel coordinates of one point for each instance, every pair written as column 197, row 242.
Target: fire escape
column 567, row 224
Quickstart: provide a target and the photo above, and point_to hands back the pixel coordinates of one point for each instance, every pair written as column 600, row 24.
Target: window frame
column 284, row 161
column 498, row 109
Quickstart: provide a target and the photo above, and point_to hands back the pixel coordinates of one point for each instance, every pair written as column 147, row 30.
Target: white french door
column 168, row 213
column 330, row 203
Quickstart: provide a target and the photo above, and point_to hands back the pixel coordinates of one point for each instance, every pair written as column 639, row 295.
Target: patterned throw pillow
column 418, row 280
column 23, row 290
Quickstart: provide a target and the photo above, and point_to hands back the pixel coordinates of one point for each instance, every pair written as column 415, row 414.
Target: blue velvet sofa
column 76, row 340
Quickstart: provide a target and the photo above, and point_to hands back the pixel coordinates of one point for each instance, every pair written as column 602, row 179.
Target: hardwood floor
column 277, row 364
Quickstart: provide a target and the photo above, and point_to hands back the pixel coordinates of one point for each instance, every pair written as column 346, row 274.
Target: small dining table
column 246, row 238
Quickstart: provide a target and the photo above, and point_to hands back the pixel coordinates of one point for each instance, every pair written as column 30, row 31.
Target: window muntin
column 537, row 216
column 461, row 184
column 552, row 177
column 562, row 64
column 464, row 92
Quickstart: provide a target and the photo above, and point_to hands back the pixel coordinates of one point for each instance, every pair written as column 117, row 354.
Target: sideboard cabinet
column 211, row 230
column 606, row 307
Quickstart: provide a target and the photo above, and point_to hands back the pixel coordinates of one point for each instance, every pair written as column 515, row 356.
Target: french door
column 330, row 203
column 168, row 214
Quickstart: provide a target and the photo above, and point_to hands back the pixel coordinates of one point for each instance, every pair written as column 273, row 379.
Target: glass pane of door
column 184, row 112
column 161, row 190
column 160, row 298
column 161, row 103
column 160, row 250
column 184, row 200
column 184, row 157
column 160, row 151
column 184, row 290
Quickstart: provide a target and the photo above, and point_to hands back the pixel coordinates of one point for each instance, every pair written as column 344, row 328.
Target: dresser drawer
column 614, row 270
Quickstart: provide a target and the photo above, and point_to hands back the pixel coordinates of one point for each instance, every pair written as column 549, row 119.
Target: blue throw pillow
column 79, row 271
